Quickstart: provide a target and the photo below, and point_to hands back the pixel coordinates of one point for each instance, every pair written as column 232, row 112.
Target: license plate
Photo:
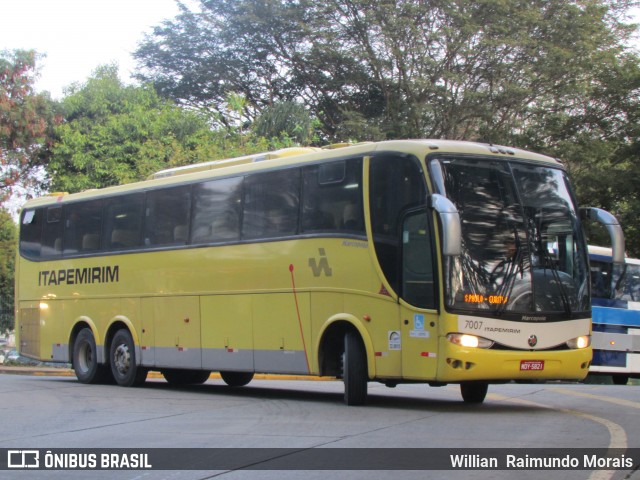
column 531, row 365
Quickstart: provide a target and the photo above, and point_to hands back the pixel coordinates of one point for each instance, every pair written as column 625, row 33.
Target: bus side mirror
column 613, row 227
column 450, row 224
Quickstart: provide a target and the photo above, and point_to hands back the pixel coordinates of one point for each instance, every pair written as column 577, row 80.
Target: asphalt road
column 53, row 412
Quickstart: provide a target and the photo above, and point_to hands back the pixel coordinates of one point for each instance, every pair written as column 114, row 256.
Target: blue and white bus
column 615, row 293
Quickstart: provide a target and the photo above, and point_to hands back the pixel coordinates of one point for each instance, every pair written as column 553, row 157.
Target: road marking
column 617, row 435
column 618, row 401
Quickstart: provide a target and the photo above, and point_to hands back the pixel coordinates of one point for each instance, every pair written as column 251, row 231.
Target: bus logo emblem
column 322, row 266
column 533, row 341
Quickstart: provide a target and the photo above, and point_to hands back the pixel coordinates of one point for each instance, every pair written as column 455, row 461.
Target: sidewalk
column 37, row 370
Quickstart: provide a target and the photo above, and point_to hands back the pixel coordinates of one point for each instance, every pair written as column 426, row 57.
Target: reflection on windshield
column 522, row 249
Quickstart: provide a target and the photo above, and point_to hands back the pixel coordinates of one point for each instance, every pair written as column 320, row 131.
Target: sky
column 77, row 36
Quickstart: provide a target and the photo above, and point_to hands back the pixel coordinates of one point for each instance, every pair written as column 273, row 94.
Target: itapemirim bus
column 615, row 291
column 403, row 261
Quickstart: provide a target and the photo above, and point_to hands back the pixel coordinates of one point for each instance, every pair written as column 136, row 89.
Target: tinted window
column 271, row 204
column 83, row 227
column 167, row 216
column 31, row 232
column 123, row 221
column 396, row 185
column 52, row 234
column 418, row 286
column 332, row 197
column 217, row 210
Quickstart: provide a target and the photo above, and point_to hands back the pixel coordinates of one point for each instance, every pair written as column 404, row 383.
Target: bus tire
column 620, row 379
column 236, row 379
column 354, row 370
column 474, row 392
column 186, row 377
column 123, row 361
column 85, row 359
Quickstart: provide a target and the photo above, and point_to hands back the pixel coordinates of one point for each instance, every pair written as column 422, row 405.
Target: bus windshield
column 523, row 253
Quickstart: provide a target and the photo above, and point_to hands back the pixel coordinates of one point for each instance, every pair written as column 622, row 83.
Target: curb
column 68, row 372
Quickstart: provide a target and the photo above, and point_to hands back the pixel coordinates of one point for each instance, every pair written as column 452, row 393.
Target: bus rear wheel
column 354, row 370
column 236, row 379
column 474, row 392
column 123, row 361
column 85, row 359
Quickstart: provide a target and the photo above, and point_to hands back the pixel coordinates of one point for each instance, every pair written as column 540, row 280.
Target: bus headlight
column 469, row 341
column 579, row 342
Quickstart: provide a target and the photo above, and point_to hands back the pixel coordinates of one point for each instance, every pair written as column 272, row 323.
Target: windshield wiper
column 550, row 265
column 515, row 266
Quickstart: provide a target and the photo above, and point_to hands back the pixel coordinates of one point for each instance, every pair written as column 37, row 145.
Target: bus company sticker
column 394, row 340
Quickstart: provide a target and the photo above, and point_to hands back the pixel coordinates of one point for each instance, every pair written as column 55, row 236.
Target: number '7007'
column 473, row 324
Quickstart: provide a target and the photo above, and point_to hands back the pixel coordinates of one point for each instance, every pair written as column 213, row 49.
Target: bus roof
column 293, row 156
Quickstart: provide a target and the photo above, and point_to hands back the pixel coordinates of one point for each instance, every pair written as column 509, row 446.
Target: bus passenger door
column 419, row 298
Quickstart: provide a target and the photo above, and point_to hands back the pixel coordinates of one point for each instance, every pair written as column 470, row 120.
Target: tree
column 464, row 69
column 114, row 134
column 551, row 76
column 8, row 235
column 26, row 120
column 286, row 120
column 598, row 139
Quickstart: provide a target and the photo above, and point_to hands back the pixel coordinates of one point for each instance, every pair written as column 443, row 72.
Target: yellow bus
column 402, row 261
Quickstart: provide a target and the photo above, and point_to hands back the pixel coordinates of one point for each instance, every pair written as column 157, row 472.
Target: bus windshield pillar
column 450, row 221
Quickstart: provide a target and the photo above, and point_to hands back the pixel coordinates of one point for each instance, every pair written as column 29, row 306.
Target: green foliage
column 8, row 236
column 26, row 119
column 288, row 120
column 598, row 139
column 465, row 69
column 116, row 134
column 550, row 76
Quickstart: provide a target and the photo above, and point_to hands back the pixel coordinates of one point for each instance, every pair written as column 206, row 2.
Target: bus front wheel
column 85, row 359
column 354, row 370
column 123, row 361
column 474, row 392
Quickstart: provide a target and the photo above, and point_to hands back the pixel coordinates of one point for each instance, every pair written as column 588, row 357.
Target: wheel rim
column 85, row 357
column 122, row 359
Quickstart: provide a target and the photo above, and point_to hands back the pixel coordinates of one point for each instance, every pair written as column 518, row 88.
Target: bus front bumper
column 459, row 364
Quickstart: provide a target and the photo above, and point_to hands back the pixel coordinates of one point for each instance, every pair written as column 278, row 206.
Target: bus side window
column 52, row 234
column 167, row 216
column 82, row 227
column 123, row 219
column 216, row 211
column 332, row 197
column 31, row 232
column 271, row 204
